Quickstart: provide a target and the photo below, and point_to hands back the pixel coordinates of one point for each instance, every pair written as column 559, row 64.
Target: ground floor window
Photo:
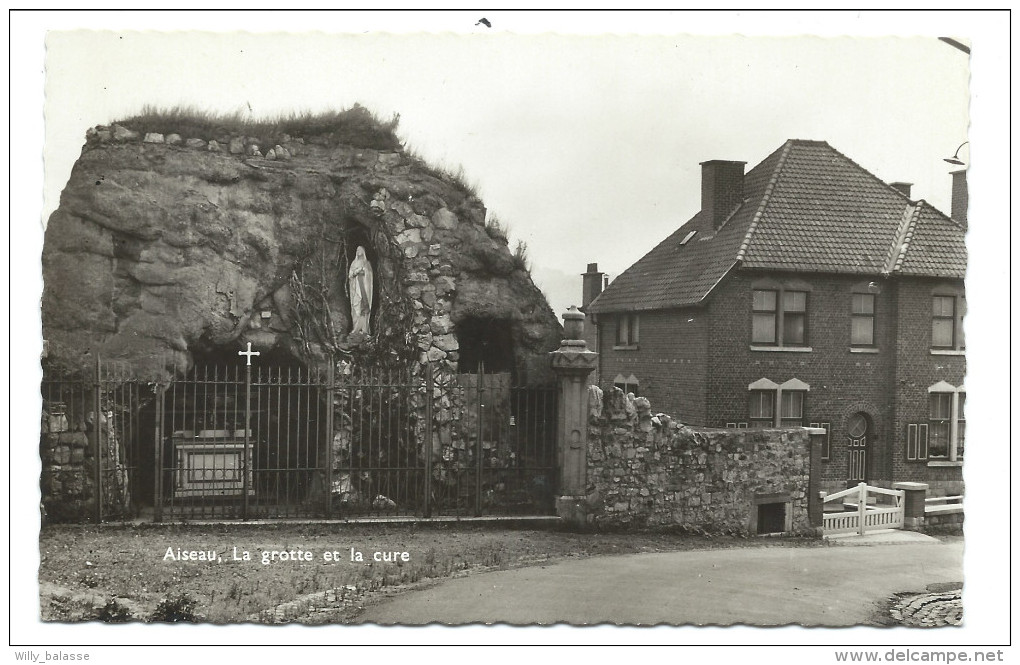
column 628, row 384
column 940, row 407
column 961, row 424
column 946, row 425
column 763, row 407
column 943, row 435
column 777, row 405
column 792, row 409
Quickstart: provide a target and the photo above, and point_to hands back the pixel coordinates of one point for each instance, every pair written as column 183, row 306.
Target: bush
column 496, row 229
column 175, row 609
column 356, row 126
column 114, row 612
column 521, row 261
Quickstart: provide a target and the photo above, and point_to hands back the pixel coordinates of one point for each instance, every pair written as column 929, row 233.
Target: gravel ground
column 123, row 573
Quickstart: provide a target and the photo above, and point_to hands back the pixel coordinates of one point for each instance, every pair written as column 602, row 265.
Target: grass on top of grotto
column 134, row 572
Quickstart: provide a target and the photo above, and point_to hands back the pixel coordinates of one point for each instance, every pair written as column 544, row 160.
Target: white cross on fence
column 249, row 353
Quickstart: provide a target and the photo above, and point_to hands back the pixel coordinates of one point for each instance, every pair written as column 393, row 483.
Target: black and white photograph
column 649, row 326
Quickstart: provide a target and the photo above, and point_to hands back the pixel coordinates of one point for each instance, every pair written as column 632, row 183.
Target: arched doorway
column 858, row 429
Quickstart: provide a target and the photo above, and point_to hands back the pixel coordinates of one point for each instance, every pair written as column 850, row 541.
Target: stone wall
column 68, row 453
column 644, row 469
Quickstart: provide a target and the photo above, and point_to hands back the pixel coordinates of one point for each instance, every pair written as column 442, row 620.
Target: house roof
column 807, row 208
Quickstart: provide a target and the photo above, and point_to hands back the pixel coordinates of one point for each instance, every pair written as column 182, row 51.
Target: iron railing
column 223, row 442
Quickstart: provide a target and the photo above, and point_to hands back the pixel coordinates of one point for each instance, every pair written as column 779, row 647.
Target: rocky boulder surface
column 166, row 245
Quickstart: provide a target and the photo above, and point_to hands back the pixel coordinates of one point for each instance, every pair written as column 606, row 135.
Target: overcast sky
column 587, row 146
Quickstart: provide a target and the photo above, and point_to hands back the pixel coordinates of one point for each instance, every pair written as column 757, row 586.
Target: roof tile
column 808, row 208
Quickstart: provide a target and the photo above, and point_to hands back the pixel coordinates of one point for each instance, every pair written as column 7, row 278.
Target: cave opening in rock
column 485, row 341
column 201, row 426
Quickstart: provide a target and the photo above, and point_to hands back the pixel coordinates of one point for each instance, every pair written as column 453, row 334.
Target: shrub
column 356, row 126
column 114, row 612
column 174, row 609
column 521, row 261
column 496, row 229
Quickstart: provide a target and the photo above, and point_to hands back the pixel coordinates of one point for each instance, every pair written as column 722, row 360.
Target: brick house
column 805, row 292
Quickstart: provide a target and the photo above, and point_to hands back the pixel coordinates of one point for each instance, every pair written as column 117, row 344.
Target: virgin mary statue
column 359, row 278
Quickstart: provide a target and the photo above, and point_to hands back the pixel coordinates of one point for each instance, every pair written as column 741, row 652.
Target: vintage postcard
column 503, row 325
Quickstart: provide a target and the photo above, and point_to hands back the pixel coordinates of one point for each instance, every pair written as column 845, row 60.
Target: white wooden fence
column 860, row 517
column 943, row 505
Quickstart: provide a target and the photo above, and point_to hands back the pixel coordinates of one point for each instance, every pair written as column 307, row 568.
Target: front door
column 857, row 447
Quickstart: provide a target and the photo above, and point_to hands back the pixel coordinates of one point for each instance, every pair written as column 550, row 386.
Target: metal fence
column 223, row 442
column 509, row 454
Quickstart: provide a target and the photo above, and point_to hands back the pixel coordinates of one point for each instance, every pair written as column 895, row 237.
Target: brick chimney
column 960, row 196
column 591, row 285
column 722, row 190
column 902, row 187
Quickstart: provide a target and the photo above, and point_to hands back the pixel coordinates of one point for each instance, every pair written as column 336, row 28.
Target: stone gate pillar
column 815, row 506
column 573, row 362
column 914, row 495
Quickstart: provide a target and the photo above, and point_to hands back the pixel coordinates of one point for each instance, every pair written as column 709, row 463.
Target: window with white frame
column 763, row 408
column 777, row 405
column 942, row 436
column 792, row 408
column 628, row 384
column 940, row 418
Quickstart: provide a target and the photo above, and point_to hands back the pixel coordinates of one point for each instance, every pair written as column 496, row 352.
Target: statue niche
column 360, row 286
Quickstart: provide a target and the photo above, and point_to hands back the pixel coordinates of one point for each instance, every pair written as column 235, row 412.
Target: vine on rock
column 321, row 308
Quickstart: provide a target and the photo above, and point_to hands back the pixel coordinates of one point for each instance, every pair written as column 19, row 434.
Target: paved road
column 830, row 586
